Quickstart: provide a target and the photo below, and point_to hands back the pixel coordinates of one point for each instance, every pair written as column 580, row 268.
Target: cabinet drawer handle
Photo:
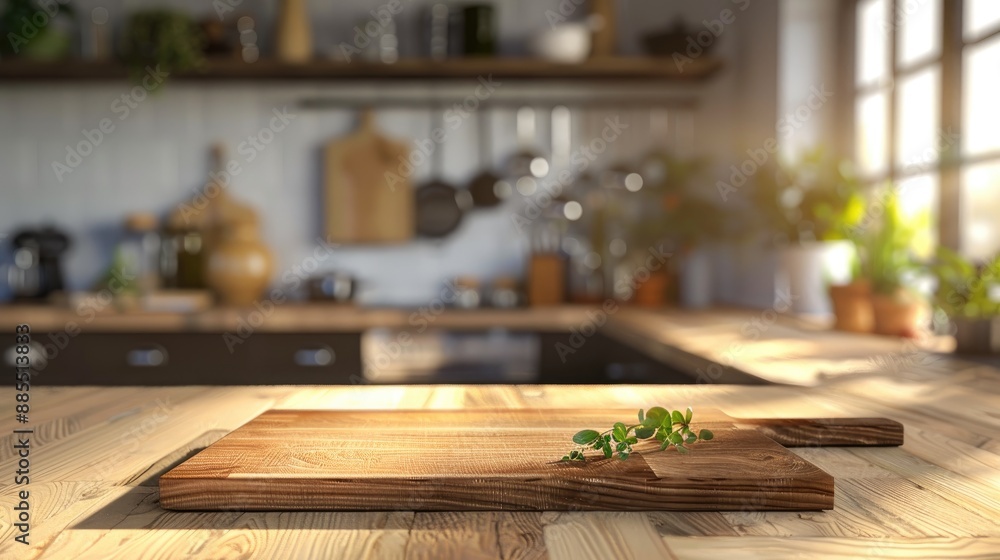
column 314, row 357
column 146, row 357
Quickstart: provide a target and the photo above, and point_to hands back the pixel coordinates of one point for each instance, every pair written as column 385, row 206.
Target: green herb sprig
column 670, row 428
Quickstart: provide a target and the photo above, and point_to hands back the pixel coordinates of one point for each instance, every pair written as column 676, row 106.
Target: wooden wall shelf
column 606, row 70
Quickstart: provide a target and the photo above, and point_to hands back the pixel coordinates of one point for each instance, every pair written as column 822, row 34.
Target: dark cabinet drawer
column 202, row 359
column 307, row 358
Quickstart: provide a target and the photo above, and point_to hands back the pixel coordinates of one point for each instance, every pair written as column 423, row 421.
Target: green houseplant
column 162, row 38
column 886, row 262
column 36, row 31
column 966, row 293
column 808, row 208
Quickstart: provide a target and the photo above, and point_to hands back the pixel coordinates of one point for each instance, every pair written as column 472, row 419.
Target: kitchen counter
column 99, row 452
column 298, row 317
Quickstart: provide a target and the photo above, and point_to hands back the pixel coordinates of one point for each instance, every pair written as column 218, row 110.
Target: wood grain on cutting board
column 361, row 203
column 475, row 460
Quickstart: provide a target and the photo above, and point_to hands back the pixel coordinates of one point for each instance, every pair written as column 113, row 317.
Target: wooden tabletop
column 97, row 453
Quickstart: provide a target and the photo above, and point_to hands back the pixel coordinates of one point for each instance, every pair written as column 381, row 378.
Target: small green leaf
column 675, row 438
column 665, row 444
column 691, row 438
column 620, row 431
column 622, row 446
column 644, row 432
column 631, row 440
column 661, row 435
column 565, row 458
column 584, row 437
column 641, row 417
column 607, row 450
column 677, row 417
column 623, row 456
column 681, row 448
column 706, row 435
column 655, row 416
column 688, row 415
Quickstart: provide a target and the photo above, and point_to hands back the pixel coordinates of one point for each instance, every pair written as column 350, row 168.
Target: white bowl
column 567, row 43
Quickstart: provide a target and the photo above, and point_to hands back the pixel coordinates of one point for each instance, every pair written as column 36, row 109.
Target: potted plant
column 37, row 31
column 967, row 294
column 852, row 303
column 162, row 38
column 681, row 220
column 887, row 263
column 808, row 208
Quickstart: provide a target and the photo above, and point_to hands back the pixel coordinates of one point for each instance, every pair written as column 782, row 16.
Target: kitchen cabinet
column 201, row 359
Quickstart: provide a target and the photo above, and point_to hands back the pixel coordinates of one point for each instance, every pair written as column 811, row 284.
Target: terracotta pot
column 896, row 315
column 294, row 38
column 239, row 266
column 652, row 292
column 852, row 307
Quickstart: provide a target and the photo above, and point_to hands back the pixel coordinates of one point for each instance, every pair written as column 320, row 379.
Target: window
column 911, row 115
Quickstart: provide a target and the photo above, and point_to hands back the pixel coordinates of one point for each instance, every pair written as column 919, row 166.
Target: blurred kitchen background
column 831, row 160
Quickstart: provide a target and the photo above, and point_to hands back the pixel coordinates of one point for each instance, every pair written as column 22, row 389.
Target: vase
column 805, row 270
column 239, row 266
column 852, row 307
column 294, row 38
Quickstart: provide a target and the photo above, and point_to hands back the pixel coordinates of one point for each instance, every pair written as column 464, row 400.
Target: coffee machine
column 36, row 271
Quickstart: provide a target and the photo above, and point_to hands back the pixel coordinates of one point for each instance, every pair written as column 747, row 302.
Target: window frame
column 951, row 161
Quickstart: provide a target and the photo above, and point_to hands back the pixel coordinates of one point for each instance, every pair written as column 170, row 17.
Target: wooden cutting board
column 424, row 460
column 361, row 204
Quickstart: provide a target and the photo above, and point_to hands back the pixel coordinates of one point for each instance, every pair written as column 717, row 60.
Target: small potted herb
column 887, row 262
column 808, row 208
column 162, row 39
column 970, row 296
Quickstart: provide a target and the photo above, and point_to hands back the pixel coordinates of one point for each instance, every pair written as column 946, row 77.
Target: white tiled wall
column 157, row 156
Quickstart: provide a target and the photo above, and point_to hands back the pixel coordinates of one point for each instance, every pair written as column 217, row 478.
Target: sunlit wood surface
column 98, row 453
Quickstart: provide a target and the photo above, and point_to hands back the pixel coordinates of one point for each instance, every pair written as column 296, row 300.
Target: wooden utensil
column 424, row 460
column 368, row 195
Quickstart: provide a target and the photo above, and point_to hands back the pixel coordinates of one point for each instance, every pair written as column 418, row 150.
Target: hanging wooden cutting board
column 424, row 460
column 361, row 205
